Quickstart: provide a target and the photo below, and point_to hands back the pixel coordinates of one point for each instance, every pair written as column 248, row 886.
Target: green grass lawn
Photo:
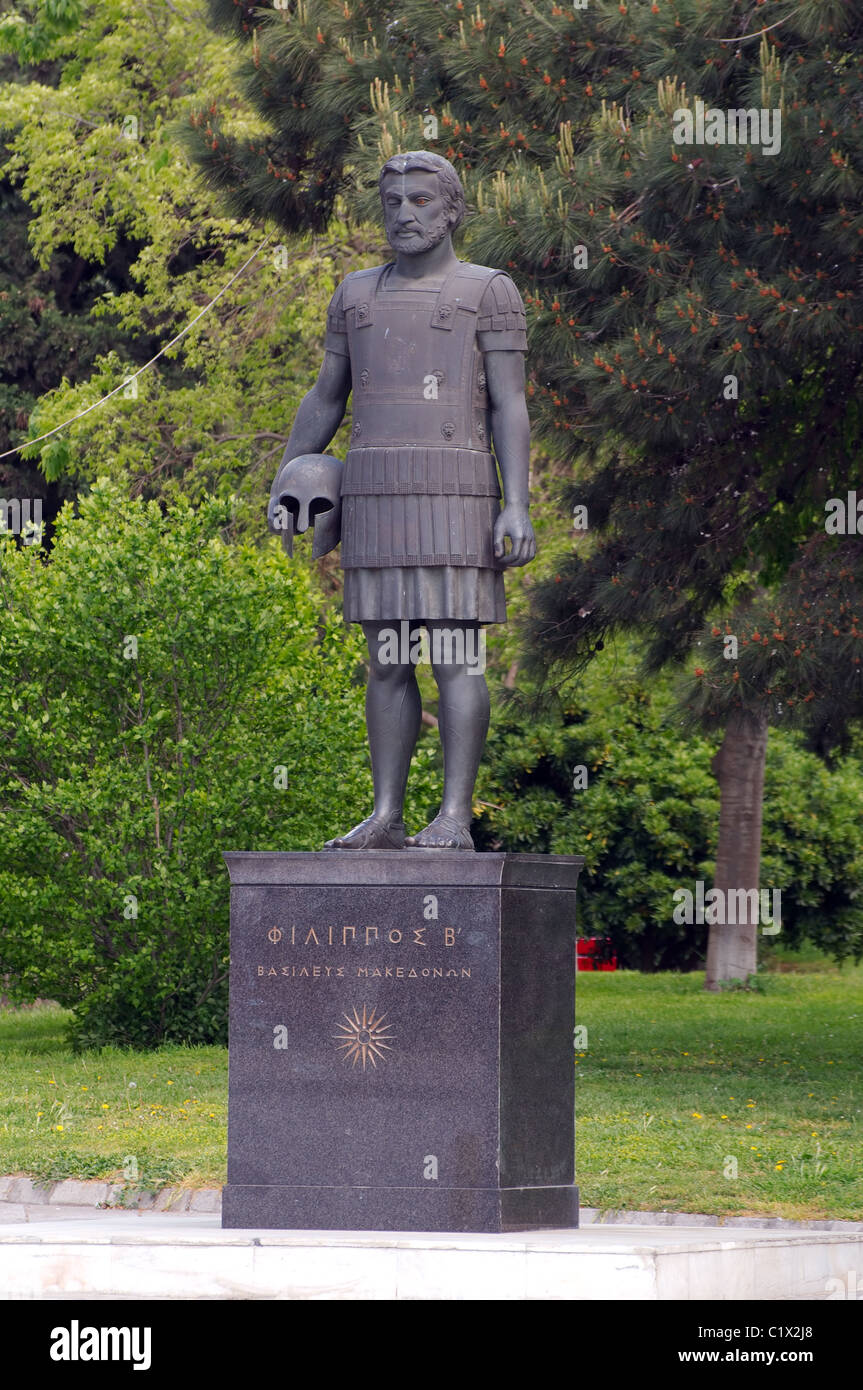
column 676, row 1083
column 673, row 1085
column 68, row 1116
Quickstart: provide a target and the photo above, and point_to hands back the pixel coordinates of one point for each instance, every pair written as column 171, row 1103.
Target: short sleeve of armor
column 501, row 323
column 336, row 339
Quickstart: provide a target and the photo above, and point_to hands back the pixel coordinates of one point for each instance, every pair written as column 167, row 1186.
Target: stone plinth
column 401, row 1041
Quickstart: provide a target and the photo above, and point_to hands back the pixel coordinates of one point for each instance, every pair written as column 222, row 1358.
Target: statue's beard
column 414, row 243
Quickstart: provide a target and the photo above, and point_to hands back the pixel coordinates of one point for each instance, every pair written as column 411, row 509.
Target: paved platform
column 74, row 1252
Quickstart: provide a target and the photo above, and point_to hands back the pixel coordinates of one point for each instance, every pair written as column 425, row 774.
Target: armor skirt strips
column 421, row 557
column 420, row 530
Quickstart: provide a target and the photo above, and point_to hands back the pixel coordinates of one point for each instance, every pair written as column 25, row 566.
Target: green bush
column 647, row 819
column 164, row 697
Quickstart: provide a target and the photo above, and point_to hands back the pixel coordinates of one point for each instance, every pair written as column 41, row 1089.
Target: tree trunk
column 732, row 949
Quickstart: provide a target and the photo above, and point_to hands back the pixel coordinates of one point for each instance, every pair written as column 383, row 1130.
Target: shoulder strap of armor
column 358, row 293
column 463, row 289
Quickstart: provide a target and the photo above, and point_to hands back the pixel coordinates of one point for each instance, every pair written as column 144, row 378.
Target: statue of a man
column 433, row 350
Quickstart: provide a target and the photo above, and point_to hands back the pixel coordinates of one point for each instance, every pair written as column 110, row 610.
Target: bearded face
column 416, row 216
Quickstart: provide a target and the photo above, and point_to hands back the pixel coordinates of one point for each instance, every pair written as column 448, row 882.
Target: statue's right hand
column 273, row 503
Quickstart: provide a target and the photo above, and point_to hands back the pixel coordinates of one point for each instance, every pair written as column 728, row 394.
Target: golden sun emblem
column 364, row 1038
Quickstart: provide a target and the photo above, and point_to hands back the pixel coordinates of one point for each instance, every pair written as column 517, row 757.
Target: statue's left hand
column 514, row 521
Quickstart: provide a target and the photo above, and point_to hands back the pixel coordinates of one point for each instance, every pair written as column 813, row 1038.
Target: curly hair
column 450, row 183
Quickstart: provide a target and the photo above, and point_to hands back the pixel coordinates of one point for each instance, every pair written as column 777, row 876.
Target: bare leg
column 393, row 716
column 463, row 716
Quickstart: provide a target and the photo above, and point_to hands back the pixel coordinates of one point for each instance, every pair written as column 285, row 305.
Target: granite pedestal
column 401, row 1041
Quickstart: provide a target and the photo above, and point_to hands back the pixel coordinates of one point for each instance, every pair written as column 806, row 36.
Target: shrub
column 647, row 819
column 164, row 697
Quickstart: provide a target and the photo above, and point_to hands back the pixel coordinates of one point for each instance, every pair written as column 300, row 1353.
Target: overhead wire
column 25, row 444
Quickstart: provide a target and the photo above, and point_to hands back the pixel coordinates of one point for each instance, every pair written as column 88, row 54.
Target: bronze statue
column 433, row 350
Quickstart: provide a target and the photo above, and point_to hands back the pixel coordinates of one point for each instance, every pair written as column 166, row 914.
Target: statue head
column 423, row 200
column 307, row 492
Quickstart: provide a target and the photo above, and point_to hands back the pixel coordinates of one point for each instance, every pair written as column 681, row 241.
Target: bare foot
column 444, row 832
column 371, row 833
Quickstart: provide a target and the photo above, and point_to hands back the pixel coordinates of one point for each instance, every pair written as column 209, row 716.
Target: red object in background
column 586, row 950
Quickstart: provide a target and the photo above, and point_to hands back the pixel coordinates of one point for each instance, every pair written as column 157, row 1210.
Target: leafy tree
column 45, row 328
column 695, row 326
column 117, row 250
column 606, row 774
column 164, row 697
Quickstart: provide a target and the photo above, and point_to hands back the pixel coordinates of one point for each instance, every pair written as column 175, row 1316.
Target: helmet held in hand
column 307, row 492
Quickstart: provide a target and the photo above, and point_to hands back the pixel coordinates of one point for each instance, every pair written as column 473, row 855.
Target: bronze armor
column 420, row 484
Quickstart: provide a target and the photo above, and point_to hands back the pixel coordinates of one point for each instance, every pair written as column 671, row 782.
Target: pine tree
column 676, row 187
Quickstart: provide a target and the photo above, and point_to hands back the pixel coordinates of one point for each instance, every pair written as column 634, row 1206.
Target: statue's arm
column 510, row 428
column 321, row 409
column 320, row 413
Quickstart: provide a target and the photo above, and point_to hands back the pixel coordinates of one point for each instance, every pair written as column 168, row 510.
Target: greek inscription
column 363, row 972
